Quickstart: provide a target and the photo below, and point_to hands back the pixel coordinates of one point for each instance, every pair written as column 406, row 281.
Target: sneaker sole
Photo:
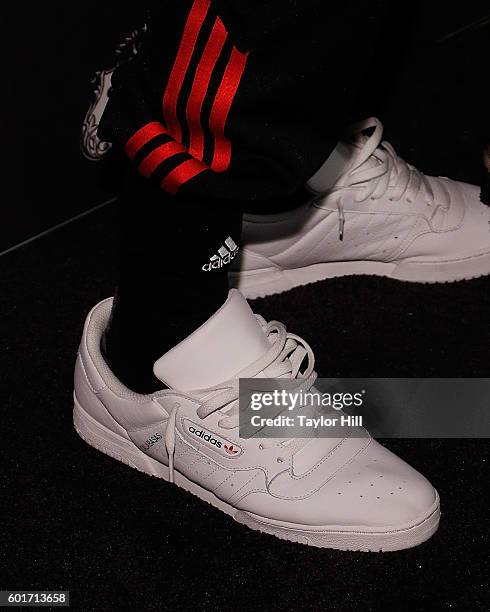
column 261, row 283
column 117, row 447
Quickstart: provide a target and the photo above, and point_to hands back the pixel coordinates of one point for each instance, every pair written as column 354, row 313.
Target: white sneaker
column 347, row 493
column 377, row 215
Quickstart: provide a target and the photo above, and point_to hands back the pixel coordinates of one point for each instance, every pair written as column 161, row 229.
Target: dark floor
column 79, row 521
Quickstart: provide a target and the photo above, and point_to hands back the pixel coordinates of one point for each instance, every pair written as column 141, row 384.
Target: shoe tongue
column 228, row 342
column 334, row 167
column 343, row 158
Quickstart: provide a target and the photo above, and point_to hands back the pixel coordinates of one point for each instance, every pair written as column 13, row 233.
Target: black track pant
column 228, row 106
column 166, row 286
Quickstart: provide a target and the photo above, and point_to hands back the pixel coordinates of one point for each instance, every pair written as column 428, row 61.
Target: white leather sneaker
column 377, row 215
column 347, row 493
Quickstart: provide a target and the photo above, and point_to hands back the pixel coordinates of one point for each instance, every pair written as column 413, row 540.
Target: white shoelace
column 378, row 170
column 283, row 360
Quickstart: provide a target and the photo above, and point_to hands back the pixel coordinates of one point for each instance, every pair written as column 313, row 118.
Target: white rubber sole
column 261, row 283
column 117, row 447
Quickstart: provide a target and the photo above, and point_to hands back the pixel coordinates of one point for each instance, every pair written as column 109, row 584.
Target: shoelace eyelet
column 280, row 460
column 261, row 447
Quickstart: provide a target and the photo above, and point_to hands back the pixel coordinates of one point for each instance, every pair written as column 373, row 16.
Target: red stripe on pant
column 200, row 86
column 158, row 156
column 143, row 137
column 181, row 174
column 221, row 108
column 193, row 26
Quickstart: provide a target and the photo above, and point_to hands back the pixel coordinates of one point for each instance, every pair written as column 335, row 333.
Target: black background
column 50, row 92
column 79, row 521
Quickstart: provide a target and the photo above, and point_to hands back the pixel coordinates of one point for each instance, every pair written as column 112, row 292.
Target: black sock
column 163, row 293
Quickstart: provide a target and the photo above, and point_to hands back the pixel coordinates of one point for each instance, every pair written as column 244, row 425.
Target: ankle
column 130, row 364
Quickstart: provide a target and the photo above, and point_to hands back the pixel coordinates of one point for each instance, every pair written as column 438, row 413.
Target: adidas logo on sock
column 224, row 256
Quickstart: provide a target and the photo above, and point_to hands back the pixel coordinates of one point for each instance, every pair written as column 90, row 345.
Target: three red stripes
column 219, row 112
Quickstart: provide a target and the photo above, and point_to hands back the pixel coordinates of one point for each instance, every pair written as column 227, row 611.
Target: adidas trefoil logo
column 231, row 450
column 225, row 255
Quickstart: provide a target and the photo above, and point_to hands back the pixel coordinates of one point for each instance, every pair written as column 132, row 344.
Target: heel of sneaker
column 117, row 447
